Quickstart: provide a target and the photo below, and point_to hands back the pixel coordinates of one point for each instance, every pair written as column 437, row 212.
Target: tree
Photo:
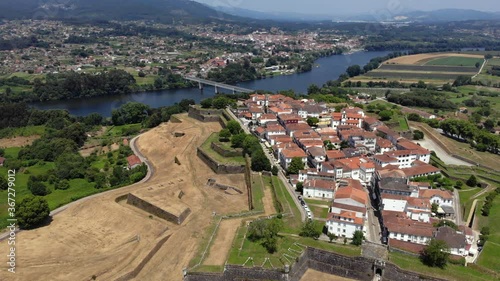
column 472, row 181
column 414, row 117
column 418, row 135
column 299, row 187
column 478, row 64
column 385, row 115
column 489, row 124
column 141, row 74
column 357, row 237
column 4, row 184
column 130, row 113
column 434, row 207
column 435, row 254
column 312, row 121
column 224, row 135
column 488, row 56
column 332, row 237
column 459, row 184
column 313, row 89
column 309, row 229
column 233, row 127
column 353, row 70
column 32, row 211
column 296, row 165
column 237, row 140
column 70, row 166
column 206, row 103
column 38, row 188
column 275, row 170
column 62, row 185
column 260, row 162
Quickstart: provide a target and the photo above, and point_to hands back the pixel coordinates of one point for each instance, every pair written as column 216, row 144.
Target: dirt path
column 100, row 237
column 267, row 200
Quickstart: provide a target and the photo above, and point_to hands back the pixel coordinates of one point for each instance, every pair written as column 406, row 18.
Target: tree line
column 422, row 98
column 464, row 130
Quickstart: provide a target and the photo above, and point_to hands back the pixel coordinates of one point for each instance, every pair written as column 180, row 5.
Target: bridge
column 218, row 85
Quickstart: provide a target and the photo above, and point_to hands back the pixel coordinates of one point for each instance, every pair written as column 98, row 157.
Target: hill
column 158, row 10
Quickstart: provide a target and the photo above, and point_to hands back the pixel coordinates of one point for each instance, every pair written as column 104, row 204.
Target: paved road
column 149, row 174
column 445, row 157
column 281, row 173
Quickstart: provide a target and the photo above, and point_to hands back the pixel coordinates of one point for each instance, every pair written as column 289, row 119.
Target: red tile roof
column 133, row 160
column 293, row 152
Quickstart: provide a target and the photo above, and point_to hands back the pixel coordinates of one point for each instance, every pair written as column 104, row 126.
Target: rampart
column 358, row 268
column 220, row 168
column 157, row 211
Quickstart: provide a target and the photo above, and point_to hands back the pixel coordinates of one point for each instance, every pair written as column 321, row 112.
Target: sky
column 332, row 7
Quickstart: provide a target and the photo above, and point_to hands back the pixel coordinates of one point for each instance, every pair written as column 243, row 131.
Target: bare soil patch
column 18, row 141
column 313, row 275
column 104, row 238
column 421, row 59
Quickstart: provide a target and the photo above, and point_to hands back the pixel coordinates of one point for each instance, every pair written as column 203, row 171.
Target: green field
column 257, row 193
column 206, row 146
column 450, row 272
column 490, row 256
column 455, row 61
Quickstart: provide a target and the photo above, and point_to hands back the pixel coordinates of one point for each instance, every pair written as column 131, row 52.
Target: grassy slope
column 490, row 257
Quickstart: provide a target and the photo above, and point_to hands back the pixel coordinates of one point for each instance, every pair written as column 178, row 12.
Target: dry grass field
column 18, row 141
column 106, row 239
column 422, row 59
column 313, row 275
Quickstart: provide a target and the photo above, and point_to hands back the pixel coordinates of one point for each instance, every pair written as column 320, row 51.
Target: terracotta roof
column 133, row 160
column 429, row 193
column 420, row 170
column 347, row 215
column 348, row 207
column 291, row 116
column 407, row 246
column 370, row 120
column 293, row 152
column 452, row 238
column 335, row 154
column 384, row 158
column 281, row 138
column 419, row 202
column 383, row 143
column 267, row 117
column 352, row 193
column 320, row 184
column 297, row 126
column 316, row 151
column 408, row 226
column 311, row 134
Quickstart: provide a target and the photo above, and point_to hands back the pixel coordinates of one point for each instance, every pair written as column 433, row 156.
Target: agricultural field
column 456, row 61
column 437, row 68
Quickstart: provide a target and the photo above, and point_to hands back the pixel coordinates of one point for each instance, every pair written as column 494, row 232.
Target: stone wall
column 217, row 167
column 358, row 268
column 226, row 152
column 204, row 115
column 157, row 211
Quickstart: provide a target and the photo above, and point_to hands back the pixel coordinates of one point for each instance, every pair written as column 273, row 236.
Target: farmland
column 456, row 61
column 438, row 68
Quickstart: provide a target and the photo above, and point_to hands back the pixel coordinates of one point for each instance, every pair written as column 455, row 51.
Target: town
column 373, row 180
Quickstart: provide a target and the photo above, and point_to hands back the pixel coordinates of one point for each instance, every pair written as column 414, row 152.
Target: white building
column 319, row 189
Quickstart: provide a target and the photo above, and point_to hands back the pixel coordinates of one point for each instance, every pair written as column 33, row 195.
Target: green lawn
column 456, row 61
column 206, row 146
column 257, row 193
column 319, row 212
column 465, row 200
column 403, row 125
column 450, row 272
column 23, row 131
column 490, row 257
column 293, row 219
column 123, row 130
column 318, row 202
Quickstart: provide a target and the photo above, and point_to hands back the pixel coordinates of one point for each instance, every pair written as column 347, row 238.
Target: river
column 328, row 68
